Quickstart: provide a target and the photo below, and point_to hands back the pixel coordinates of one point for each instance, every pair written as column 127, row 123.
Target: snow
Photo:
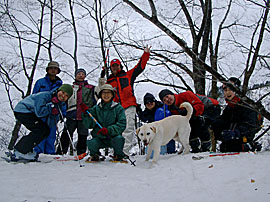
column 238, row 178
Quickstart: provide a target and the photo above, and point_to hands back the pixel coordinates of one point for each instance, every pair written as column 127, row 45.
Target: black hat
column 163, row 93
column 80, row 70
column 232, row 82
column 235, row 81
column 148, row 98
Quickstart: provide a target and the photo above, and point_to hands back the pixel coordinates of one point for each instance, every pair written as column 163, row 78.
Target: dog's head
column 146, row 133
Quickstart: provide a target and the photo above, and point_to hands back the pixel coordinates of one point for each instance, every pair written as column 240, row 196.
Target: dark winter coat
column 148, row 116
column 109, row 115
column 237, row 117
column 124, row 81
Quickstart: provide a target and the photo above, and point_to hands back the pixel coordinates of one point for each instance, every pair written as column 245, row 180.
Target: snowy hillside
column 238, row 178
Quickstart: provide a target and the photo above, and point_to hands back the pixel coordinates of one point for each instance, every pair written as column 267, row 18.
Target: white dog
column 159, row 133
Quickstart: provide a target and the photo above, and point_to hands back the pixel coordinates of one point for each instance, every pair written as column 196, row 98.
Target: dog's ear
column 153, row 129
column 137, row 131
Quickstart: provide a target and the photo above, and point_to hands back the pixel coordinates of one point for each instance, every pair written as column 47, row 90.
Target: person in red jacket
column 174, row 101
column 123, row 82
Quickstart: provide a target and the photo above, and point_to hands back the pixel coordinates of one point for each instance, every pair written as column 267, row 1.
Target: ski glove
column 55, row 111
column 55, row 100
column 84, row 107
column 230, row 135
column 103, row 131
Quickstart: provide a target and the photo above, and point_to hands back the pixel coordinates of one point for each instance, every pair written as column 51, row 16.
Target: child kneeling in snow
column 30, row 111
column 111, row 116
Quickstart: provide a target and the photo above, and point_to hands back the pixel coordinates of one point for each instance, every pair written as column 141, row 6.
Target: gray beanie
column 80, row 70
column 163, row 93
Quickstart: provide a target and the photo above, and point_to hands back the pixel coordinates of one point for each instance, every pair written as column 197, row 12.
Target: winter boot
column 206, row 146
column 195, row 145
column 30, row 156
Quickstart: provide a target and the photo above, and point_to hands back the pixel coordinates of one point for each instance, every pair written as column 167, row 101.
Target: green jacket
column 111, row 116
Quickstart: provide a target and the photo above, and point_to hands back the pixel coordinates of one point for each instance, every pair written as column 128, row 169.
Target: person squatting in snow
column 111, row 116
column 48, row 83
column 38, row 113
column 123, row 82
column 199, row 137
column 237, row 125
column 83, row 93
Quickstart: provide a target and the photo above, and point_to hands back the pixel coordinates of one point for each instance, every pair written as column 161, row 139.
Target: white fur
column 159, row 133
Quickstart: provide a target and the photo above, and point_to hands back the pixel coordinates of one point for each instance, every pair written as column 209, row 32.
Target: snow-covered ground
column 238, row 178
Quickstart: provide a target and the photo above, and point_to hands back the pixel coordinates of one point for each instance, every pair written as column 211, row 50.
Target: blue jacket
column 41, row 105
column 45, row 84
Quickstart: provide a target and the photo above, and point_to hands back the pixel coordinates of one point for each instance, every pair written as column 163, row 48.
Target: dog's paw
column 153, row 164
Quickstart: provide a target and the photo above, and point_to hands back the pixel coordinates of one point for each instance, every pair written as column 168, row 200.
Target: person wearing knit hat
column 80, row 70
column 174, row 101
column 83, row 93
column 238, row 124
column 39, row 113
column 51, row 82
column 151, row 105
column 164, row 93
column 66, row 88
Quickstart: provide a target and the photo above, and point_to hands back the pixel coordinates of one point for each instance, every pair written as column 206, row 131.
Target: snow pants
column 46, row 146
column 117, row 143
column 72, row 125
column 199, row 135
column 39, row 131
column 130, row 128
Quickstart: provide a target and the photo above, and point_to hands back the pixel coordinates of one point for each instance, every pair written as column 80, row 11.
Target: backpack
column 207, row 101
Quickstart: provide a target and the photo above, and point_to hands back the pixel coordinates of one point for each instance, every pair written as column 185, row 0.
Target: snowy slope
column 175, row 178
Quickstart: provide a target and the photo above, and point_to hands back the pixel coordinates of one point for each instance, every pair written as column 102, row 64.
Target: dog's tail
column 189, row 109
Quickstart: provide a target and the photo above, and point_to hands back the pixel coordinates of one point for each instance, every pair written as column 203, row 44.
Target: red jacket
column 190, row 97
column 124, row 81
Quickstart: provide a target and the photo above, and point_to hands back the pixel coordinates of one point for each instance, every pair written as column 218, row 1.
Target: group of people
column 109, row 109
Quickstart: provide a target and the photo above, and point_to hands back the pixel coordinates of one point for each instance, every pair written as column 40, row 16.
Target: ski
column 213, row 154
column 24, row 161
column 73, row 158
column 102, row 159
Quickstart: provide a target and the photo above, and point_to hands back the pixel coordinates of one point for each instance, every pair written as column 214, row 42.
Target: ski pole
column 59, row 141
column 65, row 124
column 131, row 162
column 265, row 131
column 93, row 119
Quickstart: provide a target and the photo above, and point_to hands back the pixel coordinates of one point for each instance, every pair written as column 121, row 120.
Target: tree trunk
column 15, row 135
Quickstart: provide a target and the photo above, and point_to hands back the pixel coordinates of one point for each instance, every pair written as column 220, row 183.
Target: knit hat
column 80, row 70
column 67, row 89
column 148, row 98
column 107, row 87
column 232, row 81
column 115, row 61
column 163, row 93
column 53, row 64
column 235, row 81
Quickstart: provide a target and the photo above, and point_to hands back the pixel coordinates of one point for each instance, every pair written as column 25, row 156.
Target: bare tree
column 197, row 59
